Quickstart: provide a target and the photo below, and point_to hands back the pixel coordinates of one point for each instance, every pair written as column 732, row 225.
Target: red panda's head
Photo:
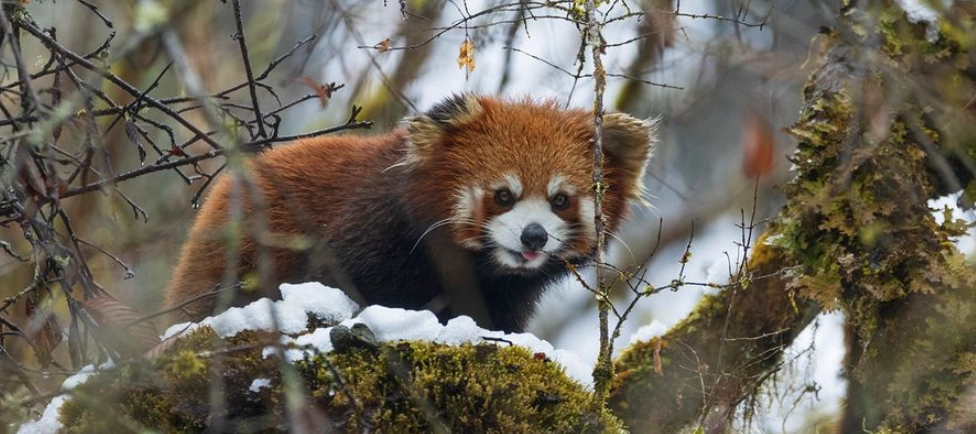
column 515, row 179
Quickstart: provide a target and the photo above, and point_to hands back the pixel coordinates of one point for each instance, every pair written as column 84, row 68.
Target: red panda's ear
column 628, row 143
column 426, row 131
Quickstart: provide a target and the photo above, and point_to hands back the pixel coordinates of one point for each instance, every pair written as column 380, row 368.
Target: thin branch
column 257, row 144
column 246, row 60
column 579, row 75
column 55, row 47
column 603, row 371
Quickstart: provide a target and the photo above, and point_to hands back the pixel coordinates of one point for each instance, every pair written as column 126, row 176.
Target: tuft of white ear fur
column 629, row 142
column 425, row 131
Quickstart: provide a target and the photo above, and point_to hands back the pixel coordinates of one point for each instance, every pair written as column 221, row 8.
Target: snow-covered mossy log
column 239, row 372
column 410, row 386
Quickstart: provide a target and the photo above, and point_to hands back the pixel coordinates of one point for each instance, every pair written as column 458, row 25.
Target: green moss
column 171, row 392
column 399, row 387
column 474, row 388
column 882, row 133
column 853, row 192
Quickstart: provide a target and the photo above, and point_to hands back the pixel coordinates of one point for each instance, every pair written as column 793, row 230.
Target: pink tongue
column 530, row 255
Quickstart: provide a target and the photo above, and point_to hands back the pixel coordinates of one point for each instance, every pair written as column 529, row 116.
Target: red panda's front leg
column 225, row 229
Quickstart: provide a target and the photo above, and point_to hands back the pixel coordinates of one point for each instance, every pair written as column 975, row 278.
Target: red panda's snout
column 523, row 230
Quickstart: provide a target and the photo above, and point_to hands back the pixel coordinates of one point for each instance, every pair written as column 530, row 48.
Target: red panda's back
column 306, row 190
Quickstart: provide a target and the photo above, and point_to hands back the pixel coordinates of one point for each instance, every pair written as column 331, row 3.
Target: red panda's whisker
column 562, row 240
column 436, row 225
column 491, row 244
column 633, row 257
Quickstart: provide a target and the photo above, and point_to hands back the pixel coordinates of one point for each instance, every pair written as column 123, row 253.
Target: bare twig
column 246, row 60
column 58, row 48
column 257, row 144
column 603, row 371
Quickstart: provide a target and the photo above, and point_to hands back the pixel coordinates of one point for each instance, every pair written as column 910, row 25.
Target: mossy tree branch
column 701, row 369
column 888, row 124
column 880, row 137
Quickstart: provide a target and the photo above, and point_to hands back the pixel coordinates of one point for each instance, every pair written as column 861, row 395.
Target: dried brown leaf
column 324, row 91
column 46, row 340
column 44, row 332
column 466, row 56
column 121, row 327
column 32, row 180
column 164, row 345
column 758, row 147
column 132, row 132
column 383, row 46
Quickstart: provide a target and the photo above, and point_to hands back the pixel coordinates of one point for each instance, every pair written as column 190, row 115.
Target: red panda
column 473, row 208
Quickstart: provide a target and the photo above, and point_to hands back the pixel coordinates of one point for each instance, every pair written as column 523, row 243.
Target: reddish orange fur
column 306, row 180
column 317, row 193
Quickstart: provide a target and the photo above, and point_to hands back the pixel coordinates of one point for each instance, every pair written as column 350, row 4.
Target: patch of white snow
column 326, row 303
column 458, row 331
column 288, row 315
column 389, row 324
column 258, row 384
column 48, row 423
column 928, row 12
column 648, row 331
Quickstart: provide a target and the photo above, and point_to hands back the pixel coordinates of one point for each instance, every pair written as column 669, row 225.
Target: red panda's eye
column 559, row 201
column 504, row 197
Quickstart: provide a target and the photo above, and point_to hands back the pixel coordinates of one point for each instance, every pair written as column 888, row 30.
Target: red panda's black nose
column 534, row 237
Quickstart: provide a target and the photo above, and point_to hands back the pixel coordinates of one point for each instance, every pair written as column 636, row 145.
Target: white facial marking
column 466, row 204
column 558, row 184
column 505, row 232
column 587, row 214
column 511, row 182
column 471, row 243
column 506, row 258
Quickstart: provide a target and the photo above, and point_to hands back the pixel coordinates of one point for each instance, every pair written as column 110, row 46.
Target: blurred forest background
column 725, row 77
